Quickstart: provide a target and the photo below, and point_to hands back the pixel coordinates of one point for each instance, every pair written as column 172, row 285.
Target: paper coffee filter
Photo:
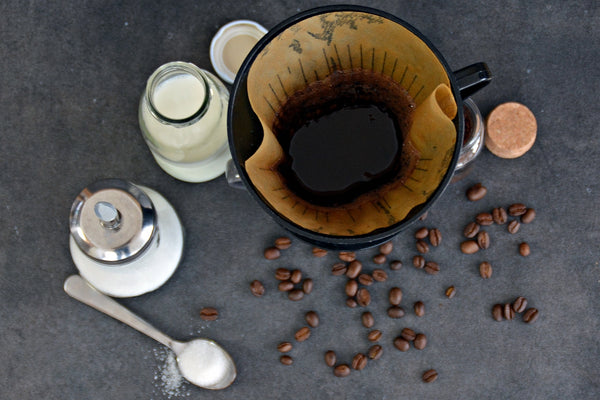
column 311, row 50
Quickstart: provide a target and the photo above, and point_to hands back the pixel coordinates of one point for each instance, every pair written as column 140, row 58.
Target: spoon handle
column 79, row 289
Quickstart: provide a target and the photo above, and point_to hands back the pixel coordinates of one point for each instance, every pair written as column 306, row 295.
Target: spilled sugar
column 167, row 377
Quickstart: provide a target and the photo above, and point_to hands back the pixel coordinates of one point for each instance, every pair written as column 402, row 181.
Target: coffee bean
column 529, row 216
column 354, row 269
column 423, row 216
column 469, row 247
column 286, row 360
column 430, row 376
column 395, row 296
column 386, row 248
column 513, row 226
column 341, row 371
column 520, row 304
column 408, row 334
column 272, row 253
column 483, row 240
column 330, row 358
column 351, row 288
column 296, row 294
column 257, row 288
column 419, row 261
column 432, row 268
column 282, row 274
column 379, row 275
column 302, row 334
column 367, row 319
column 365, row 279
column 283, row 243
column 285, row 286
column 530, row 315
column 471, row 230
column 401, row 344
column 476, row 192
column 312, row 319
column 359, row 361
column 435, row 237
column 374, row 335
column 307, row 285
column 484, row 219
column 485, row 270
column 395, row 312
column 284, row 347
column 363, row 297
column 517, row 209
column 450, row 292
column 318, row 252
column 347, row 256
column 375, row 352
column 498, row 312
column 296, row 276
column 351, row 302
column 422, row 233
column 507, row 312
column 209, row 314
column 524, row 249
column 395, row 265
column 379, row 259
column 420, row 341
column 339, row 269
column 422, row 246
column 419, row 309
column 499, row 215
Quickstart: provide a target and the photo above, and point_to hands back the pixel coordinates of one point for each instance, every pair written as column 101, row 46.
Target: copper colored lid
column 511, row 129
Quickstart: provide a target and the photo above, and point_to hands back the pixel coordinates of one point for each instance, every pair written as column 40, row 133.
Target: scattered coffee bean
column 498, row 312
column 347, row 256
column 339, row 269
column 529, row 216
column 484, row 219
column 359, row 361
column 379, row 259
column 257, row 288
column 363, row 297
column 312, row 319
column 432, row 268
column 395, row 312
column 420, row 341
column 476, row 192
column 483, row 240
column 367, row 319
column 351, row 288
column 513, row 226
column 272, row 253
column 354, row 269
column 296, row 294
column 450, row 292
column 401, row 344
column 395, row 296
column 485, row 270
column 286, row 360
column 423, row 216
column 282, row 274
column 508, row 313
column 435, row 237
column 374, row 335
column 302, row 334
column 318, row 252
column 284, row 347
column 307, row 285
column 408, row 334
column 419, row 308
column 520, row 304
column 419, row 262
column 430, row 376
column 422, row 233
column 351, row 302
column 499, row 215
column 330, row 358
column 524, row 249
column 386, row 248
column 379, row 275
column 296, row 276
column 283, row 243
column 209, row 314
column 375, row 352
column 471, row 230
column 395, row 265
column 341, row 371
column 422, row 246
column 285, row 286
column 530, row 315
column 517, row 209
column 365, row 279
column 469, row 247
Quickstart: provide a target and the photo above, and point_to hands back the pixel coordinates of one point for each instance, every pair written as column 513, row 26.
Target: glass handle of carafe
column 472, row 78
column 233, row 176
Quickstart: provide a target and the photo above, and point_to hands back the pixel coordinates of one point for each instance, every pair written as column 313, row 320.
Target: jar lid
column 511, row 129
column 231, row 44
column 112, row 220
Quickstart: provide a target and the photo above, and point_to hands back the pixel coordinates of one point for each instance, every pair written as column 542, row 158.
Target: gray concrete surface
column 71, row 76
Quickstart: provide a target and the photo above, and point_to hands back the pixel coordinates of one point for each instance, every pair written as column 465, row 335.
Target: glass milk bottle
column 183, row 118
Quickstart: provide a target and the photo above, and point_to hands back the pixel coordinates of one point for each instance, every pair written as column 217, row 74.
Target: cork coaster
column 511, row 129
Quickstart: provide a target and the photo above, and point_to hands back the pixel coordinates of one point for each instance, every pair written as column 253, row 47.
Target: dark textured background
column 71, row 73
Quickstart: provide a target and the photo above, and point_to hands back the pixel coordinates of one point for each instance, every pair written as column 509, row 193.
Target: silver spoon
column 201, row 361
